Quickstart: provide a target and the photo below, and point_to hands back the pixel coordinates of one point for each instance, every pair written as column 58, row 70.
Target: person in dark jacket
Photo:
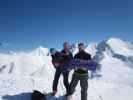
column 65, row 56
column 80, row 74
column 56, row 57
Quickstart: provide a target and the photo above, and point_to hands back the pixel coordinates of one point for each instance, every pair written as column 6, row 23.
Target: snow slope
column 121, row 47
column 21, row 72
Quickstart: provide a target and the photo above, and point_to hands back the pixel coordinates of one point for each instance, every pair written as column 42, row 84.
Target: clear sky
column 26, row 24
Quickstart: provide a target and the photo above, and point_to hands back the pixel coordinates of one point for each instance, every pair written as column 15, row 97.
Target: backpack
column 37, row 95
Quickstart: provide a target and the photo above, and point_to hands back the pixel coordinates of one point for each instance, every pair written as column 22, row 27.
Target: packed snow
column 23, row 72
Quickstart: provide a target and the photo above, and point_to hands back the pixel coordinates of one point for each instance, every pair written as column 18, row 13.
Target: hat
column 52, row 50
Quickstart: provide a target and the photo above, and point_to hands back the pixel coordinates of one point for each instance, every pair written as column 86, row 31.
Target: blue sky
column 26, row 24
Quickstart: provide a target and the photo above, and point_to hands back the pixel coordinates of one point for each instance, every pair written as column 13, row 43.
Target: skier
column 65, row 56
column 80, row 74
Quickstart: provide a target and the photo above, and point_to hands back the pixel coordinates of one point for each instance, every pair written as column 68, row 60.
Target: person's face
column 66, row 46
column 81, row 47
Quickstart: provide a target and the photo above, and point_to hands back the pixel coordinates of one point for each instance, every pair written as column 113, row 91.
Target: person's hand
column 56, row 65
column 65, row 54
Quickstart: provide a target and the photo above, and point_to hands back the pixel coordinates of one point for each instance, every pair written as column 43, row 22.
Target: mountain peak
column 113, row 39
column 120, row 46
column 41, row 51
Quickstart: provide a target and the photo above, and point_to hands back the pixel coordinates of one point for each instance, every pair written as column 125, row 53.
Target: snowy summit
column 22, row 72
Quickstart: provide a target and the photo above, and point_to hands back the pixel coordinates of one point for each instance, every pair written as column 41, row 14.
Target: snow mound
column 26, row 63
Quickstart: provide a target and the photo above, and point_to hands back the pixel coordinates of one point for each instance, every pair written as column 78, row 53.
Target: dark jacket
column 66, row 57
column 83, row 56
column 56, row 58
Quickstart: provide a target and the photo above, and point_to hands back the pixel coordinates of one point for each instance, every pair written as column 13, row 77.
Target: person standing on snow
column 80, row 74
column 56, row 57
column 65, row 56
column 56, row 60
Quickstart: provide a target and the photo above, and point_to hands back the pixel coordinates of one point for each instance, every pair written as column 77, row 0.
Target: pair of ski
column 37, row 95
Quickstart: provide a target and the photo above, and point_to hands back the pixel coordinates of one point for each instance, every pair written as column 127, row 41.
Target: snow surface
column 22, row 72
column 120, row 47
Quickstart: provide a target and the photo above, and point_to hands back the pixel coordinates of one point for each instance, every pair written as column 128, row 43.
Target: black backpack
column 37, row 95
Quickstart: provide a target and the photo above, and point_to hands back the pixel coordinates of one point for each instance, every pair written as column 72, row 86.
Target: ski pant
column 56, row 79
column 83, row 83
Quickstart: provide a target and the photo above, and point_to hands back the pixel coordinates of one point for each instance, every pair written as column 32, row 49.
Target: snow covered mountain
column 21, row 72
column 25, row 63
column 120, row 47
